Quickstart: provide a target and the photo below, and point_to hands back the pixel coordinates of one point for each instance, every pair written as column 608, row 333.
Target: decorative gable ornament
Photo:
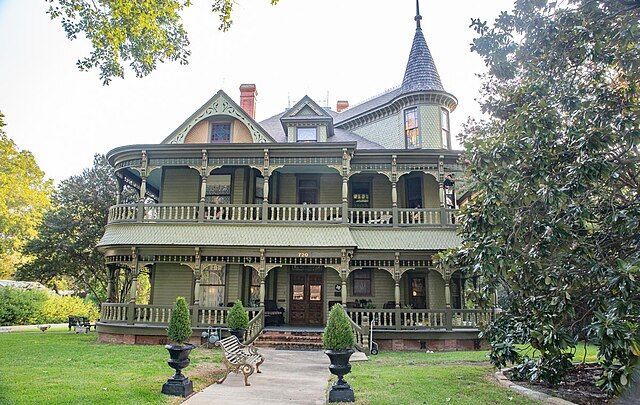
column 219, row 104
column 305, row 112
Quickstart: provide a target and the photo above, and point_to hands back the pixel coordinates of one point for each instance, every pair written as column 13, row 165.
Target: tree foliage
column 24, row 197
column 141, row 33
column 68, row 235
column 555, row 169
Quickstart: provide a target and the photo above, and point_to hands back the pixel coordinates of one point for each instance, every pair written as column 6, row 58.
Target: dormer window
column 412, row 129
column 306, row 134
column 220, row 132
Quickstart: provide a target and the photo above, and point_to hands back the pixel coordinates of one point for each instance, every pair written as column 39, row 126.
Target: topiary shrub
column 179, row 330
column 338, row 334
column 238, row 317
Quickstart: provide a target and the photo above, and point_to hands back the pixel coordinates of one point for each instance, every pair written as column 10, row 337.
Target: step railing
column 361, row 335
column 417, row 319
column 255, row 326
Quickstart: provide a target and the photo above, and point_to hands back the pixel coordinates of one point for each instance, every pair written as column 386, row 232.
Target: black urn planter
column 178, row 385
column 340, row 390
column 239, row 333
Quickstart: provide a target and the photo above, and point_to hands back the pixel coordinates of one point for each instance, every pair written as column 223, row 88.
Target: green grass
column 64, row 368
column 429, row 378
column 435, row 378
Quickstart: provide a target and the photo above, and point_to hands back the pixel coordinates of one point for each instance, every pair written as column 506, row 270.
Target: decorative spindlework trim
column 306, row 160
column 373, row 167
column 220, row 105
column 128, row 163
column 175, row 161
column 397, row 105
column 236, row 161
column 304, row 260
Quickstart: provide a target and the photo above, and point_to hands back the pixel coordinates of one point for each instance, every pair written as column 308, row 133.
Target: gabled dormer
column 306, row 121
column 222, row 120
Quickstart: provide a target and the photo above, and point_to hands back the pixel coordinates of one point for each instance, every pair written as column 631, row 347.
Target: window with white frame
column 212, row 286
column 306, row 134
column 444, row 119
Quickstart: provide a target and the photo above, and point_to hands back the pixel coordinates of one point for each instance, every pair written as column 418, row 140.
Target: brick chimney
column 342, row 105
column 248, row 95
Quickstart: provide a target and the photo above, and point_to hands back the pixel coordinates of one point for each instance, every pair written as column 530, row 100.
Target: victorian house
column 308, row 208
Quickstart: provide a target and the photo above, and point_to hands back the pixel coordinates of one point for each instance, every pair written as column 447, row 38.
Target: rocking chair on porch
column 273, row 316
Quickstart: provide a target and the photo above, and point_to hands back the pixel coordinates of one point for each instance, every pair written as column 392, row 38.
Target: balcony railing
column 281, row 213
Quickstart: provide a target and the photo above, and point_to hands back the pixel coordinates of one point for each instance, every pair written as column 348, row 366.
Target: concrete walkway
column 288, row 377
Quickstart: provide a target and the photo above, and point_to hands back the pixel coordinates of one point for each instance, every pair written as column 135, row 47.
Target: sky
column 330, row 49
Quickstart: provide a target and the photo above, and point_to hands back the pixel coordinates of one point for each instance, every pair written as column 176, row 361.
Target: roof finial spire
column 418, row 17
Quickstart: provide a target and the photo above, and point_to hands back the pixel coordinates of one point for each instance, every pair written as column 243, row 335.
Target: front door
column 418, row 292
column 306, row 299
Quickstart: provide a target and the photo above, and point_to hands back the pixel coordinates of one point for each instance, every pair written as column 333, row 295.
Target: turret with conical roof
column 421, row 73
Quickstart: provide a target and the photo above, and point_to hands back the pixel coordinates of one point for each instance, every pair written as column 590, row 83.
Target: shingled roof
column 421, row 73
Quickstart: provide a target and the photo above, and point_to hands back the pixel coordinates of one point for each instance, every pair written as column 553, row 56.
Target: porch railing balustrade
column 417, row 319
column 281, row 213
column 138, row 314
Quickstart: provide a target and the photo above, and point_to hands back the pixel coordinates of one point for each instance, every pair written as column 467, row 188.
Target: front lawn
column 62, row 367
column 463, row 377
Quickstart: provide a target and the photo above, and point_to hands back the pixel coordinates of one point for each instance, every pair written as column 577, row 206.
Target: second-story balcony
column 280, row 214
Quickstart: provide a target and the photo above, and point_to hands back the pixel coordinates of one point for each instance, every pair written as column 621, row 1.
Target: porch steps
column 290, row 340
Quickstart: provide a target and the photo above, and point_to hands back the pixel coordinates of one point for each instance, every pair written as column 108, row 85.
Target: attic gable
column 307, row 112
column 306, row 107
column 219, row 104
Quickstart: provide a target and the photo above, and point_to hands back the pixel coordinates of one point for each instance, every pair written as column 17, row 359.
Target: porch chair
column 239, row 358
column 273, row 316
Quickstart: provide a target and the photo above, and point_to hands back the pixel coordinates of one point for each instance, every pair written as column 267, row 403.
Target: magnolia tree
column 554, row 223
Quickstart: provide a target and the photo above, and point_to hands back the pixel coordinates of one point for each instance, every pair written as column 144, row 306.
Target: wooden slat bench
column 239, row 358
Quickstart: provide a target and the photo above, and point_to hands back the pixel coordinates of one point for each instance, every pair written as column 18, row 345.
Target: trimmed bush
column 57, row 309
column 238, row 317
column 20, row 307
column 338, row 334
column 179, row 330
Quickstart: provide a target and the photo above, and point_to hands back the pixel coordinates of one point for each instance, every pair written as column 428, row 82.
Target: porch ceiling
column 405, row 239
column 226, row 235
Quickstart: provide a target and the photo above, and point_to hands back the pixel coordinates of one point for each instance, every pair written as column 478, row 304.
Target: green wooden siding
column 172, row 281
column 180, row 185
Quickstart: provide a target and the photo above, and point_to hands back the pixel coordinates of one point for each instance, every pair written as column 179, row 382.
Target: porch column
column 110, row 272
column 262, row 292
column 394, row 190
column 120, row 188
column 203, row 194
column 265, row 186
column 343, row 292
column 345, row 184
column 397, row 291
column 447, row 292
column 262, row 275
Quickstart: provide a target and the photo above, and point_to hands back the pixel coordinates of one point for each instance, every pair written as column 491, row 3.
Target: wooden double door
column 306, row 299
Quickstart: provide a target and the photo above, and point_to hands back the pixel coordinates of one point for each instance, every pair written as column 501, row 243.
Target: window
column 444, row 120
column 254, row 287
column 221, row 132
column 361, row 194
column 411, row 129
column 212, row 286
column 362, row 283
column 218, row 189
column 307, row 190
column 306, row 134
column 413, row 186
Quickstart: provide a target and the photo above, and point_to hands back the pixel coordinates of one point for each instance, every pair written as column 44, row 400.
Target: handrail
column 280, row 213
column 361, row 334
column 255, row 327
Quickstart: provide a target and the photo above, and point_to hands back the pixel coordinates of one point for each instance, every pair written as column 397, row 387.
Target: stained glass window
column 412, row 129
column 221, row 132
